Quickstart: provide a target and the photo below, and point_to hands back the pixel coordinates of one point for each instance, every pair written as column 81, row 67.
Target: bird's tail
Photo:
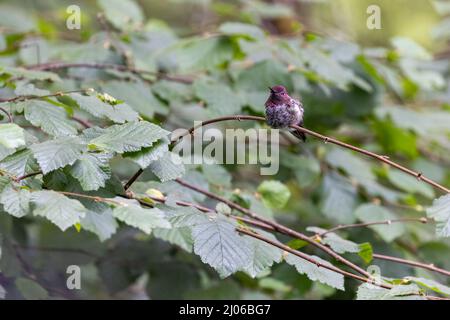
column 299, row 134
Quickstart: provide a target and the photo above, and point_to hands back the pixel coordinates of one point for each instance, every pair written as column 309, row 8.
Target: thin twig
column 308, row 258
column 118, row 67
column 8, row 114
column 327, row 139
column 422, row 265
column 358, row 225
column 295, row 234
column 277, row 227
column 33, row 97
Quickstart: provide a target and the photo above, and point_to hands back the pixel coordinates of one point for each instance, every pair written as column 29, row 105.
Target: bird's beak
column 271, row 90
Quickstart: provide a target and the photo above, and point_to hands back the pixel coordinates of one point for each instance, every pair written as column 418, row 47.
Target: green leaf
column 134, row 215
column 57, row 153
column 19, row 163
column 30, row 74
column 218, row 244
column 99, row 220
column 15, row 201
column 339, row 198
column 168, row 167
column 394, row 139
column 336, row 243
column 203, row 53
column 440, row 212
column 217, row 175
column 262, row 255
column 245, row 30
column 118, row 113
column 180, row 217
column 30, row 289
column 11, row 135
column 59, row 209
column 410, row 184
column 274, row 194
column 373, row 213
column 146, row 156
column 91, row 170
column 50, row 118
column 137, row 95
column 351, row 164
column 123, row 14
column 220, row 99
column 430, row 284
column 131, row 136
column 181, row 237
column 366, row 252
column 368, row 291
column 315, row 273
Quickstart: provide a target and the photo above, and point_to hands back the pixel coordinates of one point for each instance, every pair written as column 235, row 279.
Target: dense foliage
column 81, row 117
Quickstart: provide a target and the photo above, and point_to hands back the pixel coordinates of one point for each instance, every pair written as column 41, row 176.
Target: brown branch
column 308, row 258
column 83, row 122
column 327, row 139
column 276, row 226
column 32, row 97
column 32, row 174
column 358, row 225
column 118, row 67
column 422, row 265
column 295, row 234
column 8, row 114
column 205, row 209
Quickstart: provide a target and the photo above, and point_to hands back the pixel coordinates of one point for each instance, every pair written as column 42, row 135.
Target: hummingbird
column 283, row 111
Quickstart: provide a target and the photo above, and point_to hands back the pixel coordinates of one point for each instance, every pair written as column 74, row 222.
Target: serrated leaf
column 19, row 163
column 263, row 255
column 368, row 291
column 30, row 74
column 440, row 212
column 430, row 284
column 31, row 290
column 128, row 137
column 366, row 252
column 181, row 237
column 134, row 215
column 147, row 155
column 137, row 95
column 372, row 213
column 57, row 153
column 50, row 118
column 218, row 244
column 59, row 209
column 122, row 13
column 181, row 217
column 99, row 220
column 91, row 170
column 11, row 135
column 15, row 201
column 168, row 167
column 339, row 199
column 203, row 53
column 274, row 194
column 315, row 273
column 410, row 184
column 248, row 31
column 119, row 113
column 220, row 99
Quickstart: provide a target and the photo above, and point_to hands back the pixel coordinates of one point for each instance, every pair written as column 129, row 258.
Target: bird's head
column 278, row 93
